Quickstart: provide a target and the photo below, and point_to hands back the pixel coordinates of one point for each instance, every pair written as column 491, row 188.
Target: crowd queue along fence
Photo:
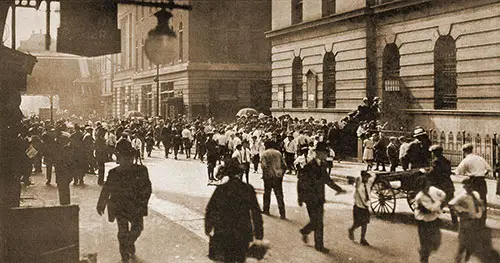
column 485, row 146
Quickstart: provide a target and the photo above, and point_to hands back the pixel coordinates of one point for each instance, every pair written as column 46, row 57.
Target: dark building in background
column 220, row 61
column 71, row 78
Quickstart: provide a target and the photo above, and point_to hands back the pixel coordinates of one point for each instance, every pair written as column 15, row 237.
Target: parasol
column 247, row 112
column 133, row 113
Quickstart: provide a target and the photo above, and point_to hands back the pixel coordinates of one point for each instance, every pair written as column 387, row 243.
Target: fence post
column 495, row 144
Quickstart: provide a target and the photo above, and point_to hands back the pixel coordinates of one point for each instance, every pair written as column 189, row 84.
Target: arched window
column 329, row 80
column 296, row 11
column 391, row 68
column 297, row 92
column 445, row 73
column 181, row 42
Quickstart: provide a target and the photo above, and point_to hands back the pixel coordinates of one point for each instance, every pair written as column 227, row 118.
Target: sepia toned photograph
column 232, row 131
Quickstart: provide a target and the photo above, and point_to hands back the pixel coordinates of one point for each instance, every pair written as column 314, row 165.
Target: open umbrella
column 247, row 112
column 133, row 113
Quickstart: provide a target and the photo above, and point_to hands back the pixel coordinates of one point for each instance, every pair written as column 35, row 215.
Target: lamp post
column 157, row 43
column 157, row 80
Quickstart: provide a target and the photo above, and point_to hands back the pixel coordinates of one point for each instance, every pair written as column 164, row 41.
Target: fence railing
column 485, row 146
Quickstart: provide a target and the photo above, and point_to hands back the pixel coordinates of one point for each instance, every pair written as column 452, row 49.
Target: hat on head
column 436, row 148
column 467, row 146
column 392, row 139
column 418, row 131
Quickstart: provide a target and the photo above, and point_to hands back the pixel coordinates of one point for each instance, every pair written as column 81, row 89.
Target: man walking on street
column 126, row 194
column 476, row 168
column 312, row 177
column 272, row 164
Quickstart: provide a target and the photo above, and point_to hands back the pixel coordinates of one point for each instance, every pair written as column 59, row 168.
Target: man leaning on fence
column 476, row 168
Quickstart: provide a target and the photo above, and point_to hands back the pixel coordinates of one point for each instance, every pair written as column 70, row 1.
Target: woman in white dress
column 368, row 152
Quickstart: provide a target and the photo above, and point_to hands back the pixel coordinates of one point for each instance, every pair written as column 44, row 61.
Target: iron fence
column 485, row 146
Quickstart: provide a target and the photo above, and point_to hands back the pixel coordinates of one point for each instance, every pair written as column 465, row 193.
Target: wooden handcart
column 383, row 193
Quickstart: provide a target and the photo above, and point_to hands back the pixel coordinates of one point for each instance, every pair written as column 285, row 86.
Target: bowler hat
column 418, row 131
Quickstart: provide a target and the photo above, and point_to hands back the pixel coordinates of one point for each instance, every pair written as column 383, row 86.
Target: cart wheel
column 383, row 198
column 410, row 198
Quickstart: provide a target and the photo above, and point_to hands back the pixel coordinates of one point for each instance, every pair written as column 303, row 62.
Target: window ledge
column 452, row 112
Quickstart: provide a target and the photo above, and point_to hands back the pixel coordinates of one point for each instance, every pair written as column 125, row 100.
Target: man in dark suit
column 166, row 137
column 233, row 214
column 311, row 190
column 126, row 193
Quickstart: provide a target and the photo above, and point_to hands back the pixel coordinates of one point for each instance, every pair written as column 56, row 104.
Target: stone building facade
column 434, row 63
column 220, row 61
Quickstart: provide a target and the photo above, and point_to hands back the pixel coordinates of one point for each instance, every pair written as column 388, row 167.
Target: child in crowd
column 137, row 145
column 150, row 142
column 361, row 214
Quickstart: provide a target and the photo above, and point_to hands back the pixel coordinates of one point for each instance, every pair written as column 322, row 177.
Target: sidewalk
column 97, row 235
column 346, row 170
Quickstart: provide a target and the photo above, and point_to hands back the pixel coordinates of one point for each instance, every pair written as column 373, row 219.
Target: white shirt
column 473, row 165
column 232, row 143
column 136, row 143
column 290, row 145
column 361, row 199
column 110, row 139
column 403, row 149
column 464, row 204
column 186, row 133
column 431, row 201
column 242, row 155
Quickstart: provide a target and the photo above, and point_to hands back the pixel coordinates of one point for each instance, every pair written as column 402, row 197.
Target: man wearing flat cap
column 439, row 175
column 476, row 168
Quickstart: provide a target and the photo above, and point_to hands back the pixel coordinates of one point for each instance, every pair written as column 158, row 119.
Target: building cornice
column 396, row 5
column 318, row 22
column 459, row 113
column 228, row 67
column 335, row 18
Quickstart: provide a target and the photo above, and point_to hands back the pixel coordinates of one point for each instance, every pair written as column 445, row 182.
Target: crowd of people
column 284, row 145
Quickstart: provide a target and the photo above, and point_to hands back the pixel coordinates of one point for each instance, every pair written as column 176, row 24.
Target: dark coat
column 234, row 213
column 126, row 192
column 418, row 154
column 439, row 176
column 393, row 153
column 311, row 184
column 101, row 150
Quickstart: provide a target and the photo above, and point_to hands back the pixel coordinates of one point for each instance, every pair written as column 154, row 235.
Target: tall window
column 445, row 73
column 296, row 11
column 391, row 68
column 181, row 42
column 297, row 92
column 328, row 7
column 147, row 100
column 130, row 42
column 124, row 38
column 329, row 80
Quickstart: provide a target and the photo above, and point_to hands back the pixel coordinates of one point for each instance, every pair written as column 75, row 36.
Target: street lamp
column 156, row 46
